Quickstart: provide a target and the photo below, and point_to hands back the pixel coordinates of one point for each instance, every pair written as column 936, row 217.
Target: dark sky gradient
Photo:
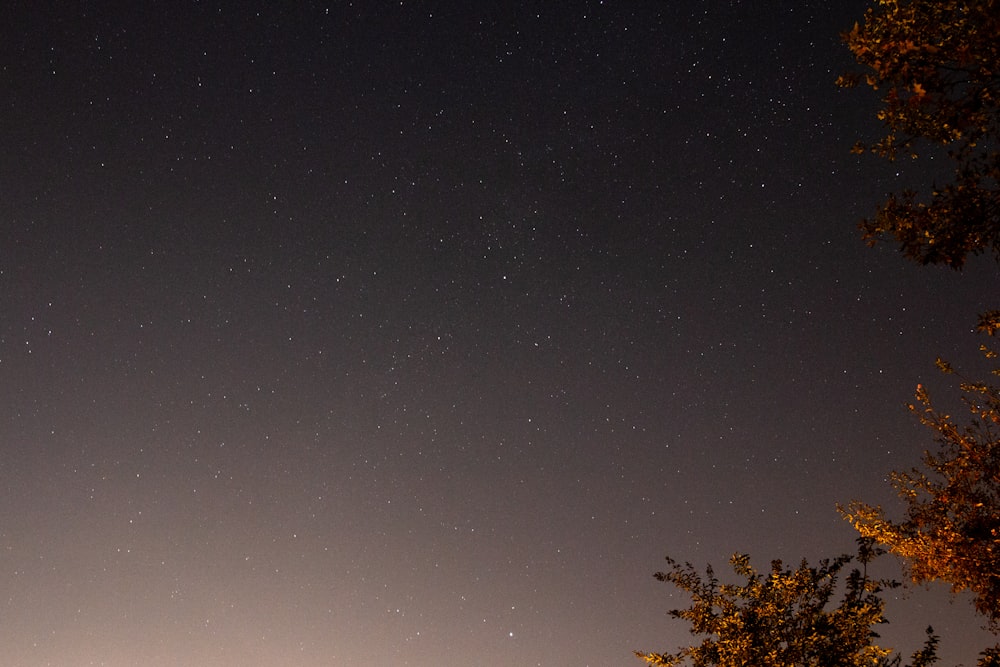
column 418, row 333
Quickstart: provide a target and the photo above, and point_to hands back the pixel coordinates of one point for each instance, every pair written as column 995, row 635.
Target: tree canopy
column 937, row 66
column 951, row 531
column 784, row 618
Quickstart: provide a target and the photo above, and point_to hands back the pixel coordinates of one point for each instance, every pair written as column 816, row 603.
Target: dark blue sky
column 420, row 332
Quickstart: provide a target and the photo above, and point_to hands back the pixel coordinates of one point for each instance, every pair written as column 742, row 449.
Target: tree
column 938, row 65
column 782, row 618
column 951, row 531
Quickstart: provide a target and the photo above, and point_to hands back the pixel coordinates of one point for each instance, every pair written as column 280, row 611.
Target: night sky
column 419, row 333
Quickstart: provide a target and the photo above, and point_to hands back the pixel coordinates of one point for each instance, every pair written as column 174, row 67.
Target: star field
column 419, row 333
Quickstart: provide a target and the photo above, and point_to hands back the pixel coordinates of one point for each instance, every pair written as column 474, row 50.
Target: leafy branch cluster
column 938, row 63
column 951, row 531
column 784, row 617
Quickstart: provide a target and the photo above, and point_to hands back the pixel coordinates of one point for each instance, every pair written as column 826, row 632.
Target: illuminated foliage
column 951, row 532
column 783, row 618
column 937, row 65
